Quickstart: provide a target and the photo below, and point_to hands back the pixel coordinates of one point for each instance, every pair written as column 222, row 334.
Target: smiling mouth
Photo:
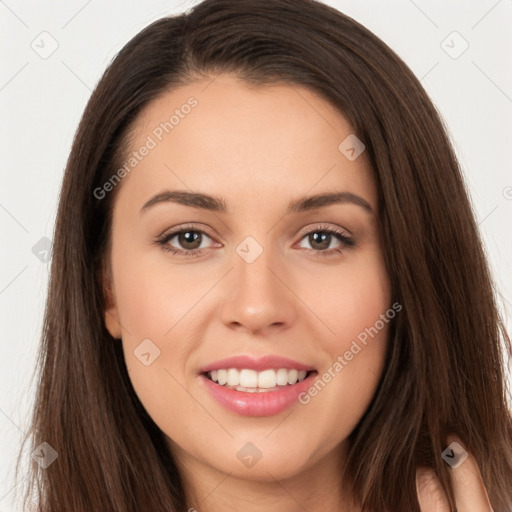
column 252, row 381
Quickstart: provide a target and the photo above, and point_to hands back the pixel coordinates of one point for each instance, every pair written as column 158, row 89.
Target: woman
column 268, row 290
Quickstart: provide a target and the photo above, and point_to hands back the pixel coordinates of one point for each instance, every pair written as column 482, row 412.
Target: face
column 288, row 303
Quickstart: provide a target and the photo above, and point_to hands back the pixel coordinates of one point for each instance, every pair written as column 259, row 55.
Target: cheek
column 350, row 299
column 158, row 305
column 153, row 298
column 356, row 305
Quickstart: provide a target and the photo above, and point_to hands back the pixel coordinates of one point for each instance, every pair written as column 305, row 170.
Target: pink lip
column 259, row 364
column 265, row 403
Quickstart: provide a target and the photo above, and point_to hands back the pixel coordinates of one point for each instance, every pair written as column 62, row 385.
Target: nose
column 259, row 295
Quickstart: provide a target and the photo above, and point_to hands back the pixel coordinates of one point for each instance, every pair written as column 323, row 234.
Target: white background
column 41, row 101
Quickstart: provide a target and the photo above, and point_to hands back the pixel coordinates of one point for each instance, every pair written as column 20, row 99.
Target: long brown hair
column 444, row 370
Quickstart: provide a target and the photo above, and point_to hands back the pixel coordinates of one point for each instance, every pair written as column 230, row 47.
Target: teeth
column 293, row 375
column 233, row 377
column 222, row 376
column 253, row 381
column 248, row 378
column 282, row 377
column 267, row 379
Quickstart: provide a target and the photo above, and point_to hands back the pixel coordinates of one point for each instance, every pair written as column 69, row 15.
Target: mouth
column 251, row 381
column 261, row 386
column 260, row 391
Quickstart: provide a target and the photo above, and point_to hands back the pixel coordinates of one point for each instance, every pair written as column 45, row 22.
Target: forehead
column 224, row 135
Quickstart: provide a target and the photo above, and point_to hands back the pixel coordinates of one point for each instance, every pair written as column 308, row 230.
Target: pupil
column 321, row 240
column 190, row 237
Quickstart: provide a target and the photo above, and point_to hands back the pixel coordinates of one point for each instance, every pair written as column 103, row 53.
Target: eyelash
column 164, row 239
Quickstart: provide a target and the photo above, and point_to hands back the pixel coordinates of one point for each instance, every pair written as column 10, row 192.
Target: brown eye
column 189, row 239
column 320, row 239
column 186, row 241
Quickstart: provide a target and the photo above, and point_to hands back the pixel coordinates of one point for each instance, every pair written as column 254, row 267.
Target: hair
column 445, row 364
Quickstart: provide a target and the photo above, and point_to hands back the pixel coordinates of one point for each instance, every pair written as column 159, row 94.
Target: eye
column 320, row 240
column 189, row 240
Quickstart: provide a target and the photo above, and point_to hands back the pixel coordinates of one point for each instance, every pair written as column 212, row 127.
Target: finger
column 431, row 496
column 469, row 489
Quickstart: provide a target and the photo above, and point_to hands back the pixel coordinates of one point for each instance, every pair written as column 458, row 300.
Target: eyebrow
column 217, row 204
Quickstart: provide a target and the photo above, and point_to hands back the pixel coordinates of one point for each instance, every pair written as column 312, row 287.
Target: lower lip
column 266, row 403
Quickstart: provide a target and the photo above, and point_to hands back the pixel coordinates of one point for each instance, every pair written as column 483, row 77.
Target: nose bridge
column 258, row 297
column 252, row 269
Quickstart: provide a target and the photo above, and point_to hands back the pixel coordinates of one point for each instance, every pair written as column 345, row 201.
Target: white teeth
column 248, row 378
column 233, row 377
column 222, row 376
column 292, row 376
column 251, row 380
column 267, row 379
column 282, row 377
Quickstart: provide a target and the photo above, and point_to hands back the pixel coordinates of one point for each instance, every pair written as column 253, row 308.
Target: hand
column 470, row 493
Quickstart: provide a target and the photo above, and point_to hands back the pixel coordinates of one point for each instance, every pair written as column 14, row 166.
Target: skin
column 258, row 149
column 470, row 492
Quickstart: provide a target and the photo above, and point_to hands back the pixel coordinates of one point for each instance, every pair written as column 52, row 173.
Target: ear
column 111, row 313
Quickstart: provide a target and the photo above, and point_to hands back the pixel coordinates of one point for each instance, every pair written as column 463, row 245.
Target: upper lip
column 258, row 364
